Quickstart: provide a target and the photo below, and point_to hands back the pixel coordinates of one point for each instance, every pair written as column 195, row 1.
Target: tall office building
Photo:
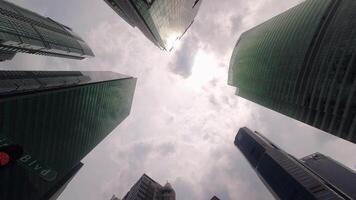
column 148, row 189
column 57, row 118
column 61, row 185
column 332, row 171
column 24, row 31
column 302, row 64
column 161, row 21
column 114, row 198
column 313, row 177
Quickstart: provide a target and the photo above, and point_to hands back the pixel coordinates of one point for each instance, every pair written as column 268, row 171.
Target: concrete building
column 148, row 189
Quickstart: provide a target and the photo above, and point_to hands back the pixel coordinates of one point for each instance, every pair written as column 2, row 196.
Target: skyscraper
column 332, row 171
column 289, row 178
column 24, row 31
column 161, row 21
column 302, row 64
column 57, row 118
column 114, row 198
column 148, row 189
column 61, row 185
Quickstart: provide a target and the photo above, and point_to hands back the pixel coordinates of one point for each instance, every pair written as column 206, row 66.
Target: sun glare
column 173, row 41
column 205, row 69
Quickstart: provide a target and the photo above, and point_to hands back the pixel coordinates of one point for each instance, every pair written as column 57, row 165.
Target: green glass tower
column 24, row 31
column 57, row 118
column 302, row 64
column 161, row 21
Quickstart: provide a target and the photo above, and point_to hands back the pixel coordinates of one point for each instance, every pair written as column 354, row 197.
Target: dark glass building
column 148, row 189
column 302, row 64
column 57, row 118
column 290, row 178
column 24, row 31
column 332, row 171
column 61, row 185
column 161, row 21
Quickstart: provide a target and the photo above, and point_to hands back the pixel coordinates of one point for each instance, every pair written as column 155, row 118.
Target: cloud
column 236, row 22
column 213, row 100
column 184, row 57
column 177, row 131
column 166, row 149
column 184, row 189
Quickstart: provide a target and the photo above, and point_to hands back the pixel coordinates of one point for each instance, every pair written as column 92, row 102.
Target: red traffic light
column 4, row 158
column 9, row 154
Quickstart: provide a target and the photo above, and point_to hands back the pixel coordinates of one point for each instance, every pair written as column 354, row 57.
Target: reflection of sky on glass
column 184, row 116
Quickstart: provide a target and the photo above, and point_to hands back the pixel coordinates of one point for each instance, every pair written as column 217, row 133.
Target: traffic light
column 9, row 154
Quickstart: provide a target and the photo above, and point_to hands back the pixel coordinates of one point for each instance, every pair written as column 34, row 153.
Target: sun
column 205, row 69
column 173, row 41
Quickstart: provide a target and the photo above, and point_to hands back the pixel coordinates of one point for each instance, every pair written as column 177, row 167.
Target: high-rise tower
column 161, row 21
column 148, row 189
column 24, row 31
column 286, row 177
column 302, row 64
column 332, row 171
column 57, row 118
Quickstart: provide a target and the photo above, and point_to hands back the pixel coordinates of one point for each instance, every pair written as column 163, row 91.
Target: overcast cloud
column 184, row 116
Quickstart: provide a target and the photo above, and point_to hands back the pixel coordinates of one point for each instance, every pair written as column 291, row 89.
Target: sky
column 184, row 116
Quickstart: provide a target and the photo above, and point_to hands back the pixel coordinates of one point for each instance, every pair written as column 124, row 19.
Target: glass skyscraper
column 332, row 171
column 161, row 21
column 57, row 118
column 148, row 189
column 313, row 177
column 24, row 31
column 302, row 64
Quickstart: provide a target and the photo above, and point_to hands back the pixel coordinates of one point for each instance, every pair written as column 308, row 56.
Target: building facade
column 57, row 118
column 163, row 22
column 342, row 177
column 302, row 64
column 114, row 198
column 148, row 189
column 61, row 185
column 287, row 177
column 24, row 31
